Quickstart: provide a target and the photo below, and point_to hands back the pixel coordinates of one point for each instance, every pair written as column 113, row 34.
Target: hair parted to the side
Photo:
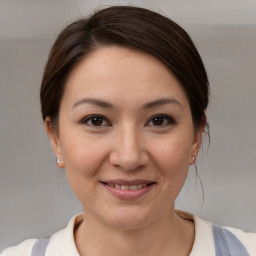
column 132, row 27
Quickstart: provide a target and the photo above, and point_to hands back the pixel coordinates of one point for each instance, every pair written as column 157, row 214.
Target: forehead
column 122, row 74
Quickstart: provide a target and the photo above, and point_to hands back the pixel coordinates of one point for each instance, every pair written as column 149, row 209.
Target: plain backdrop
column 35, row 199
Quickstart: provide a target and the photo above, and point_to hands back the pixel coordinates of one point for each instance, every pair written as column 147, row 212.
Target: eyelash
column 167, row 120
column 89, row 118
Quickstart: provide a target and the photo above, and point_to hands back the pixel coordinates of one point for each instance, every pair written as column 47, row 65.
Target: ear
column 55, row 142
column 197, row 141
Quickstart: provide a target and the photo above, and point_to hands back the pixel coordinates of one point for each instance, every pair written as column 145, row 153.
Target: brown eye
column 158, row 121
column 95, row 121
column 161, row 120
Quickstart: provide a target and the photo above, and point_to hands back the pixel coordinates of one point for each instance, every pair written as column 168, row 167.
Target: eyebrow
column 160, row 102
column 96, row 102
column 105, row 104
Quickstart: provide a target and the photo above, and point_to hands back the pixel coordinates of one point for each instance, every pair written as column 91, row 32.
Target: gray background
column 35, row 199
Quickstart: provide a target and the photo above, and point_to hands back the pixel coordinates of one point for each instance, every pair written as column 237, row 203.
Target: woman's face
column 125, row 137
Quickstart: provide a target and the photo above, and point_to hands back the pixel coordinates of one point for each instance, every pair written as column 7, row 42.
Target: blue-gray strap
column 39, row 247
column 226, row 243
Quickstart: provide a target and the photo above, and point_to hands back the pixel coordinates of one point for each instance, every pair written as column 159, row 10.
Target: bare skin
column 126, row 139
column 173, row 239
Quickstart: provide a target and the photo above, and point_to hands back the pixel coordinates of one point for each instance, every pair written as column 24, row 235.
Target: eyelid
column 87, row 118
column 170, row 119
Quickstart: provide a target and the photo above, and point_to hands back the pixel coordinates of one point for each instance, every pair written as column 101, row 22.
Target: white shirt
column 62, row 243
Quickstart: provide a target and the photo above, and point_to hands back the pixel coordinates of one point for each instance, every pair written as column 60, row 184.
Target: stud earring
column 58, row 160
column 193, row 158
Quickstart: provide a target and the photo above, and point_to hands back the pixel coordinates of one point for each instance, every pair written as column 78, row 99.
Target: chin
column 128, row 219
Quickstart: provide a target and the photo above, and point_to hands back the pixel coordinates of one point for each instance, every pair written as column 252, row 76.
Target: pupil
column 97, row 121
column 158, row 121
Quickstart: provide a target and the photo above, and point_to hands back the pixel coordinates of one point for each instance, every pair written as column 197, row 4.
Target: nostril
column 128, row 160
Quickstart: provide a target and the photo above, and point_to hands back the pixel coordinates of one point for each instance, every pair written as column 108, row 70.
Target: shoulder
column 211, row 239
column 247, row 239
column 60, row 243
column 228, row 239
column 23, row 249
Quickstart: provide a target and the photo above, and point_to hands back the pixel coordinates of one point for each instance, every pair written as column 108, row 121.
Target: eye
column 161, row 120
column 95, row 121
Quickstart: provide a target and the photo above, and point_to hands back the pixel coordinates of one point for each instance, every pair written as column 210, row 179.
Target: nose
column 128, row 152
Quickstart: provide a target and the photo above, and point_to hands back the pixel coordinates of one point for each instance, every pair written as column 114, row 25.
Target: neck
column 170, row 235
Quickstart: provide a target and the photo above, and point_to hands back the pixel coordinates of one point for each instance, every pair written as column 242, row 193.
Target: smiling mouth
column 128, row 187
column 128, row 190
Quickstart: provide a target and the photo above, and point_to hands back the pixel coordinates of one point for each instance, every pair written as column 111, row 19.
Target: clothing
column 205, row 244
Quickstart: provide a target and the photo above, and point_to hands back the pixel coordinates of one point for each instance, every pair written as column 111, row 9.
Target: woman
column 123, row 97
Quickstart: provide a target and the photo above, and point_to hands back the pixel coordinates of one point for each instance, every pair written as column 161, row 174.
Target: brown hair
column 132, row 27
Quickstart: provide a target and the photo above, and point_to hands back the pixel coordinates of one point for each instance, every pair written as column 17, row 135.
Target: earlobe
column 197, row 143
column 193, row 159
column 60, row 163
column 195, row 148
column 54, row 139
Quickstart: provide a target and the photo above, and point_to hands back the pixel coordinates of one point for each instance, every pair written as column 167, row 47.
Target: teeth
column 127, row 187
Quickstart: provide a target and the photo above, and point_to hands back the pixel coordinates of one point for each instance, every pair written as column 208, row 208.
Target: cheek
column 83, row 159
column 83, row 155
column 172, row 159
column 173, row 153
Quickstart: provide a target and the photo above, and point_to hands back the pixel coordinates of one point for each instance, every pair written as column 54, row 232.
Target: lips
column 128, row 189
column 128, row 185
